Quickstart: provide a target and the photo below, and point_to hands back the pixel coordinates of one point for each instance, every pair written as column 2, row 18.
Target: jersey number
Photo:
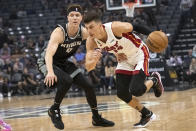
column 69, row 50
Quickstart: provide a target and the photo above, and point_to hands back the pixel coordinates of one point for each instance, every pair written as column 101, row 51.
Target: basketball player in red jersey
column 132, row 77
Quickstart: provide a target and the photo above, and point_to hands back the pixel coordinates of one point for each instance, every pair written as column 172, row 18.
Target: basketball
column 157, row 41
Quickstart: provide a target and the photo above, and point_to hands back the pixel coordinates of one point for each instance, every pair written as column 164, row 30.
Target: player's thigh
column 82, row 81
column 137, row 86
column 122, row 85
column 63, row 78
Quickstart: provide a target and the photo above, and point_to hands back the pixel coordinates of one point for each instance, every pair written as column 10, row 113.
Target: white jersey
column 129, row 44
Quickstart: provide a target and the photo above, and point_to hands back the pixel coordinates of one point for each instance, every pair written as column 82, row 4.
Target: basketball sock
column 95, row 112
column 154, row 80
column 55, row 105
column 145, row 111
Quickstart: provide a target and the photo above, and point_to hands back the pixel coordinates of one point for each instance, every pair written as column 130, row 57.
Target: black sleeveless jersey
column 68, row 47
column 65, row 49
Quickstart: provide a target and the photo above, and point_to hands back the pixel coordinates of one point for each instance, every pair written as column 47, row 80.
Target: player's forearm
column 90, row 65
column 142, row 29
column 49, row 61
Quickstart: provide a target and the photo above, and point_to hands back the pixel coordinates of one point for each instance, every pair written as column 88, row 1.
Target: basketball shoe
column 55, row 116
column 158, row 86
column 4, row 126
column 99, row 121
column 145, row 120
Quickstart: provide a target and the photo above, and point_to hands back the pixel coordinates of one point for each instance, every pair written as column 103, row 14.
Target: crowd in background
column 18, row 55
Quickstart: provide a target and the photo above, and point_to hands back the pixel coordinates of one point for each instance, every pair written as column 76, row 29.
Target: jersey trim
column 72, row 38
column 63, row 31
column 133, row 39
column 126, row 72
column 146, row 58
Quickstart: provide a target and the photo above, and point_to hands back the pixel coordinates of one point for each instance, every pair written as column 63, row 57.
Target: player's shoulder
column 57, row 35
column 58, row 30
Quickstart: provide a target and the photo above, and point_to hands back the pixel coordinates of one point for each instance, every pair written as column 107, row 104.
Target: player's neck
column 72, row 30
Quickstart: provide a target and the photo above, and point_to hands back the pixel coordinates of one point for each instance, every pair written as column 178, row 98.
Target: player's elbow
column 129, row 27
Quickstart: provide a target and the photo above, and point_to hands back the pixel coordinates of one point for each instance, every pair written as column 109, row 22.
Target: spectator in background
column 21, row 13
column 5, row 47
column 110, row 74
column 6, row 87
column 192, row 69
column 5, row 55
column 41, row 41
column 175, row 60
column 109, row 57
column 18, row 65
column 16, row 78
column 187, row 60
column 185, row 7
column 194, row 52
column 7, row 69
column 97, row 76
column 79, row 56
column 28, row 83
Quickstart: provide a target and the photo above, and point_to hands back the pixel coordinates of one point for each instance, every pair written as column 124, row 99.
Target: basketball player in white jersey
column 132, row 77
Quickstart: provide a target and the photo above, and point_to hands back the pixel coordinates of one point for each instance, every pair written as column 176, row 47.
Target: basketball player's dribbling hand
column 121, row 57
column 50, row 79
column 96, row 55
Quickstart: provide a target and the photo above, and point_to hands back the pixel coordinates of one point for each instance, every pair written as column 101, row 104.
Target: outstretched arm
column 123, row 27
column 55, row 39
column 118, row 28
column 92, row 54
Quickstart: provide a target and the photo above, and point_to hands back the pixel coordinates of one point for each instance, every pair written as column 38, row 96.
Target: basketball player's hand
column 121, row 57
column 50, row 79
column 96, row 55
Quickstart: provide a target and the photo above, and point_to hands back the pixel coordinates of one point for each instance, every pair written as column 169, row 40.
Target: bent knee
column 126, row 97
column 138, row 91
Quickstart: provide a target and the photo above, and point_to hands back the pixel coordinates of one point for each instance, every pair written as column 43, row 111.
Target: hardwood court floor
column 176, row 111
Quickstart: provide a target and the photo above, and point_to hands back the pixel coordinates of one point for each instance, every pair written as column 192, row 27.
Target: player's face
column 94, row 29
column 74, row 18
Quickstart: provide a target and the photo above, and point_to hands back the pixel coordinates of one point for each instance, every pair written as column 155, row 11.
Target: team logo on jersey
column 69, row 47
column 114, row 48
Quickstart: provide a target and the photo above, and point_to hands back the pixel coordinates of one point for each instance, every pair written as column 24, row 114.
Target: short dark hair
column 73, row 7
column 92, row 15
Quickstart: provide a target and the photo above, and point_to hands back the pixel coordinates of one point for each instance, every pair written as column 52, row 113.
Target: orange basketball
column 157, row 41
